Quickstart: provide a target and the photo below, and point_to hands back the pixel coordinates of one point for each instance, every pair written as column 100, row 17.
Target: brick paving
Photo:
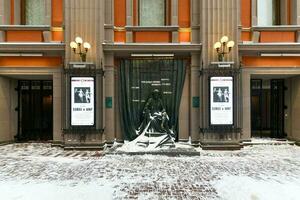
column 148, row 176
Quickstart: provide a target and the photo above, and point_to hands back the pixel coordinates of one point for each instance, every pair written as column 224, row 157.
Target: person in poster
column 82, row 95
column 221, row 94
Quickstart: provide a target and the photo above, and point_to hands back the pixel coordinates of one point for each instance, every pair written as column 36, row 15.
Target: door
column 256, row 108
column 35, row 110
column 277, row 108
column 267, row 108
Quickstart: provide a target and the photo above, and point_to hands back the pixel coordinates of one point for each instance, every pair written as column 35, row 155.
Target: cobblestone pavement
column 149, row 176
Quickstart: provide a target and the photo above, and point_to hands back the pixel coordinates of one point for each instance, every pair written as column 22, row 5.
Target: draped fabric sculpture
column 150, row 93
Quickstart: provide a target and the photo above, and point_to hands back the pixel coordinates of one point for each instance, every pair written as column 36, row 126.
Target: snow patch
column 54, row 190
column 248, row 188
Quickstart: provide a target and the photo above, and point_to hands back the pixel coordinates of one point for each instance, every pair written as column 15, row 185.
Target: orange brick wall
column 31, row 61
column 246, row 13
column 253, row 61
column 24, row 36
column 57, row 13
column 152, row 37
column 272, row 36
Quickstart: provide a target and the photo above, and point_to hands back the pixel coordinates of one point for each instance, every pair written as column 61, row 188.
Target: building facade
column 141, row 45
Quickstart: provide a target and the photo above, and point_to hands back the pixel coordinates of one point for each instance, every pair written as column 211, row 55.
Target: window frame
column 281, row 9
column 19, row 17
column 24, row 14
column 167, row 7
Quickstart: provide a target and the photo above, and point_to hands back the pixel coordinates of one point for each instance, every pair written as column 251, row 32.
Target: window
column 33, row 12
column 268, row 12
column 152, row 12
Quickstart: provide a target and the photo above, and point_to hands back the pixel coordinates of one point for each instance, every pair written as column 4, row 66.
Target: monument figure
column 155, row 120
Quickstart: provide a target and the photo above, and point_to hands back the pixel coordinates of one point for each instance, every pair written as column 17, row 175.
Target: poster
column 221, row 100
column 82, row 101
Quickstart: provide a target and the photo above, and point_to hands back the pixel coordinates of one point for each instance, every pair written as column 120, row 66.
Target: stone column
column 298, row 12
column 109, row 98
column 174, row 19
column 5, row 103
column 195, row 94
column 109, row 21
column 13, row 106
column 246, row 102
column 129, row 20
column 184, row 110
column 48, row 9
column 2, row 15
column 17, row 12
column 85, row 19
column 195, row 21
column 119, row 135
column 57, row 108
column 254, row 12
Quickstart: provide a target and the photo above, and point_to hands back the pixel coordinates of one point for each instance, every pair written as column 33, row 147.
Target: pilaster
column 174, row 19
column 109, row 98
column 109, row 21
column 57, row 107
column 48, row 9
column 195, row 94
column 184, row 110
column 129, row 20
column 195, row 21
column 86, row 21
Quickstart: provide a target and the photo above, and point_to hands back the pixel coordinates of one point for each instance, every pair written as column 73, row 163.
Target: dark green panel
column 108, row 102
column 196, row 102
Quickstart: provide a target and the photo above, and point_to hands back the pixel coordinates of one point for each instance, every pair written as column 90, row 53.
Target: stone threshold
column 269, row 142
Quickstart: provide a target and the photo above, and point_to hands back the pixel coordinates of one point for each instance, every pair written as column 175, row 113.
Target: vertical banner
column 221, row 100
column 82, row 101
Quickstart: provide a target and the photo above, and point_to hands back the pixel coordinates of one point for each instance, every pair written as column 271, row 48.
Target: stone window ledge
column 25, row 28
column 7, row 47
column 277, row 28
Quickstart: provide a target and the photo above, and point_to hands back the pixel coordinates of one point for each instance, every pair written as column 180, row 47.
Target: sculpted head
column 155, row 94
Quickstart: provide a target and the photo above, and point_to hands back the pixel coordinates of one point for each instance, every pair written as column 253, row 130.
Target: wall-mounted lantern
column 77, row 48
column 223, row 47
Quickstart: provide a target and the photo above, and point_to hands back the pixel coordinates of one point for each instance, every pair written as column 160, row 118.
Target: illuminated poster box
column 221, row 100
column 82, row 101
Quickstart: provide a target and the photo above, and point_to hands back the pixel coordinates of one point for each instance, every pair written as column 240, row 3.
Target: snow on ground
column 257, row 140
column 134, row 147
column 37, row 171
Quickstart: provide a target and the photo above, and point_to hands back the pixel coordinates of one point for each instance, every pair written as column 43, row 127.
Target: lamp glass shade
column 224, row 39
column 230, row 44
column 73, row 45
column 217, row 45
column 78, row 40
column 86, row 45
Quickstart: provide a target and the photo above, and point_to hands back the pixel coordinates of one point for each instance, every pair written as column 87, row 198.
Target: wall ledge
column 25, row 28
column 277, row 28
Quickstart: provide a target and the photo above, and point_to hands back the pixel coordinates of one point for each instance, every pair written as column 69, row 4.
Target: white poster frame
column 221, row 101
column 82, row 101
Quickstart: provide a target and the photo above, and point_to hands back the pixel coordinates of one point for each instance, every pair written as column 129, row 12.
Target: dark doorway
column 35, row 110
column 267, row 108
column 277, row 108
